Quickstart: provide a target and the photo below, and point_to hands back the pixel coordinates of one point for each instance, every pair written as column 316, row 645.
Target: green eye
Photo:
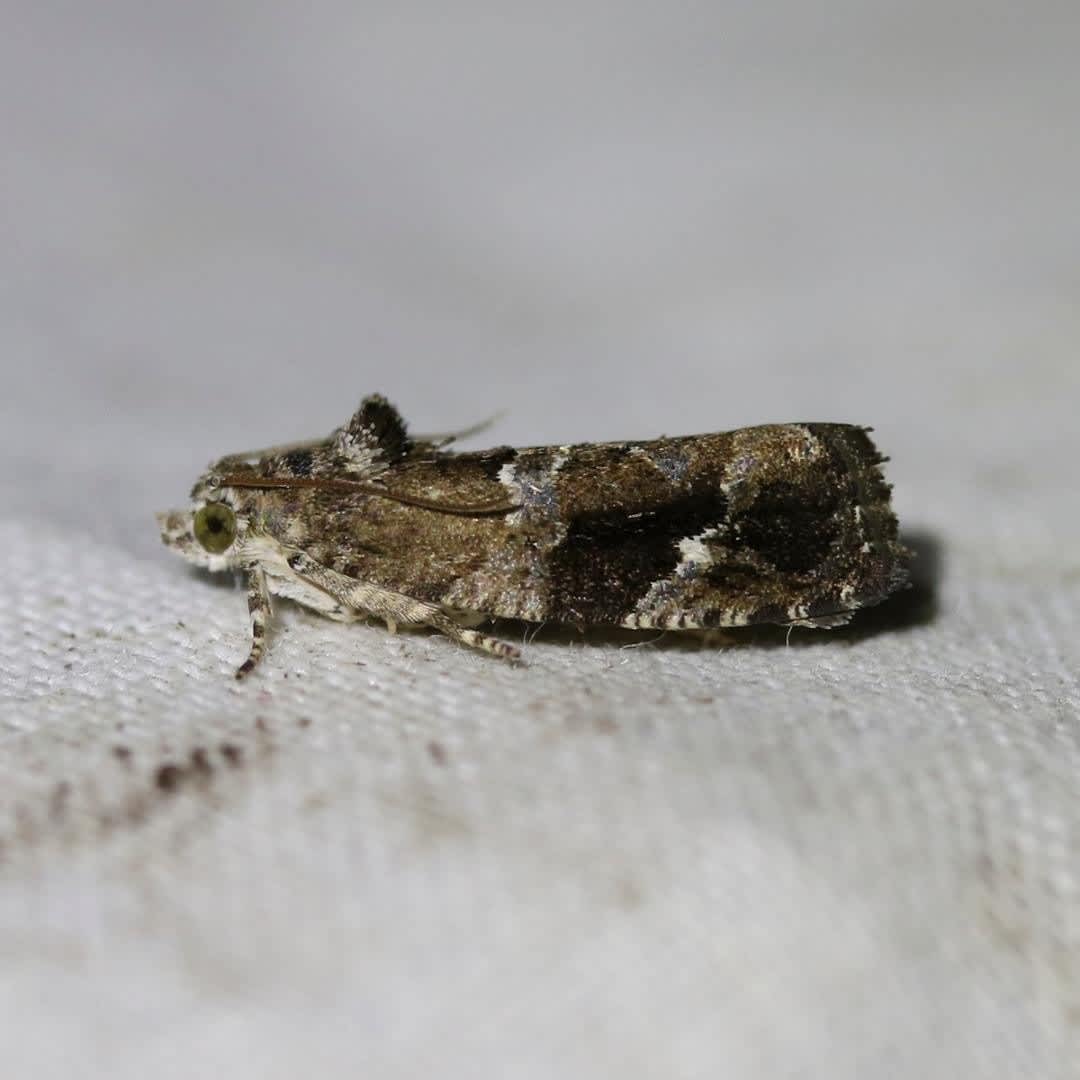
column 215, row 527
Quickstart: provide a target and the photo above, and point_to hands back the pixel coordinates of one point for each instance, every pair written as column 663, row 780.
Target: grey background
column 224, row 223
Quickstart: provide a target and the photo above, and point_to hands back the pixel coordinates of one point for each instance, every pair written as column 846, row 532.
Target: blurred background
column 224, row 223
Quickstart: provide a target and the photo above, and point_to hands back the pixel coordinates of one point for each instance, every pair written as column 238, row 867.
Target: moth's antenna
column 320, row 483
column 447, row 437
column 272, row 451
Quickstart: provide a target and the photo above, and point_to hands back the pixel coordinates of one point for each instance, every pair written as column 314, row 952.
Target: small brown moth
column 782, row 523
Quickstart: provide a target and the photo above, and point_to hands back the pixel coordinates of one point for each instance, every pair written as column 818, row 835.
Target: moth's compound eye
column 215, row 527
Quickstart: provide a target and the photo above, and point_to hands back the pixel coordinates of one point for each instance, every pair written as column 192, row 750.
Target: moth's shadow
column 906, row 610
column 917, row 605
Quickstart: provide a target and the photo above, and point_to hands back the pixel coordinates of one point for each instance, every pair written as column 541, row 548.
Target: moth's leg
column 442, row 622
column 393, row 607
column 258, row 598
column 823, row 622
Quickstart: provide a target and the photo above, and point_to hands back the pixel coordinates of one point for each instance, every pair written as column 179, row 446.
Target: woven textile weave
column 854, row 855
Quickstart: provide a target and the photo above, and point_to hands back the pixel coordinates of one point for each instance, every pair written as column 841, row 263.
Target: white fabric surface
column 856, row 856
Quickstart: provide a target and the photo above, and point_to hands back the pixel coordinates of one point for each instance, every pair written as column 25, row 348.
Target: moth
column 781, row 523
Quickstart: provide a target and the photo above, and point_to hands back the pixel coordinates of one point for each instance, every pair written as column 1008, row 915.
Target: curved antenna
column 248, row 456
column 445, row 438
column 319, row 483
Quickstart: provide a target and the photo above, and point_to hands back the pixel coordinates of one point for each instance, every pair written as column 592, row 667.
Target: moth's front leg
column 258, row 598
column 393, row 607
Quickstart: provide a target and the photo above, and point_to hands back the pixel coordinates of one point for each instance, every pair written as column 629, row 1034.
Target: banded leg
column 258, row 598
column 393, row 607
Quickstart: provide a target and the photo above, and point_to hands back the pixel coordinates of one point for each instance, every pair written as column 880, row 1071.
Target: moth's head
column 212, row 532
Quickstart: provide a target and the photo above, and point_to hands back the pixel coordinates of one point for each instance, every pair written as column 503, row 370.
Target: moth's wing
column 777, row 523
column 440, row 528
column 593, row 527
column 770, row 524
column 807, row 536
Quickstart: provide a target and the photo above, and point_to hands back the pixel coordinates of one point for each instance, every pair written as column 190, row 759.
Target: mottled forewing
column 770, row 524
